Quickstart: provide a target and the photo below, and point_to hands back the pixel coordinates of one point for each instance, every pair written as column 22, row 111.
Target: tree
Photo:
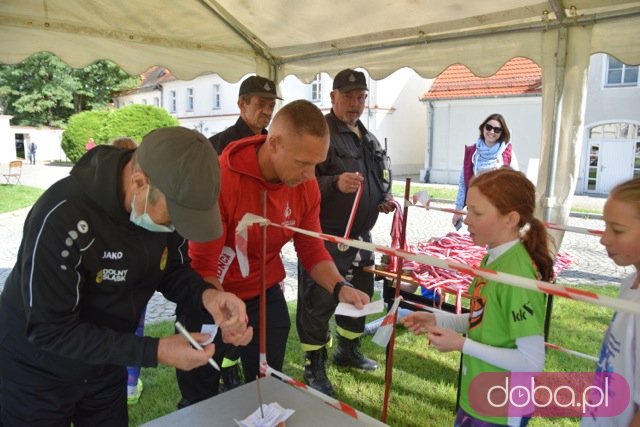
column 38, row 91
column 98, row 82
column 43, row 90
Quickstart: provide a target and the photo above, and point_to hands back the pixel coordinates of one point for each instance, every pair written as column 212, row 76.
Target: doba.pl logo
column 549, row 394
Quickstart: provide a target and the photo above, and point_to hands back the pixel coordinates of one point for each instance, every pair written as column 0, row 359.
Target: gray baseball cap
column 182, row 164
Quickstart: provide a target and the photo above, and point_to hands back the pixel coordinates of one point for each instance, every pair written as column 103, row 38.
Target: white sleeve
column 528, row 356
column 456, row 322
column 514, row 160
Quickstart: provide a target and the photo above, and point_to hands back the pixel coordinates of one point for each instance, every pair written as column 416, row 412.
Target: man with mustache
column 355, row 158
column 256, row 101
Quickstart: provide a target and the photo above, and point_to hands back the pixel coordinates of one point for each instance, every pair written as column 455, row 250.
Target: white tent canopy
column 302, row 37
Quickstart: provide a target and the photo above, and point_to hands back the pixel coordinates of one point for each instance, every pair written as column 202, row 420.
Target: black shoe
column 231, row 378
column 315, row 371
column 184, row 403
column 348, row 354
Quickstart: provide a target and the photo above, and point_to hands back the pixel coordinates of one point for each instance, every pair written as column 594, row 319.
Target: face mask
column 145, row 220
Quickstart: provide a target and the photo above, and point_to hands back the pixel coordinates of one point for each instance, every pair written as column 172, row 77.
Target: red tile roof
column 518, row 77
column 151, row 79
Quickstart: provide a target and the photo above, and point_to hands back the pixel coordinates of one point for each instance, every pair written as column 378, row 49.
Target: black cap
column 349, row 79
column 259, row 86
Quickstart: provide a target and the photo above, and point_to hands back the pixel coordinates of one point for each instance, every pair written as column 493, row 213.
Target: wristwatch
column 338, row 287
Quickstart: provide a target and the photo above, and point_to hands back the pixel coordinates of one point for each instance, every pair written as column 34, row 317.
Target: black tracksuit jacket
column 83, row 274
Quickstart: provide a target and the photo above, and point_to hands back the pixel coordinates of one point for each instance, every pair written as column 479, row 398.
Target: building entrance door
column 608, row 163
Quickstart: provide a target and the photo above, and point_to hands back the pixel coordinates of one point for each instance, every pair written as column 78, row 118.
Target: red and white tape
column 334, row 403
column 352, row 216
column 506, row 278
column 421, row 199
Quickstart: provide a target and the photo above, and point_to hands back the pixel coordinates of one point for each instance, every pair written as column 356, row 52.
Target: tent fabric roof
column 282, row 37
column 518, row 77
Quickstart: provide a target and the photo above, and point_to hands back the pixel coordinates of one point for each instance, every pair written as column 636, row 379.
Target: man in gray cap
column 96, row 246
column 256, row 101
column 355, row 159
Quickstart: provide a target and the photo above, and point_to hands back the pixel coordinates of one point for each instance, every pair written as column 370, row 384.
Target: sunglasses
column 490, row 128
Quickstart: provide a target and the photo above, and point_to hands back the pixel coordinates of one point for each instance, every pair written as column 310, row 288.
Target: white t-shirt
column 620, row 353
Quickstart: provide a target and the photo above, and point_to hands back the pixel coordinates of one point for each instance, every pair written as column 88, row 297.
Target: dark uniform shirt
column 238, row 131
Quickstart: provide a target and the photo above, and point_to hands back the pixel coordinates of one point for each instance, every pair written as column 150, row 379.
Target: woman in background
column 491, row 151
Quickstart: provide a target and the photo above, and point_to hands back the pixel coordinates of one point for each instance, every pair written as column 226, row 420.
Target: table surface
column 240, row 402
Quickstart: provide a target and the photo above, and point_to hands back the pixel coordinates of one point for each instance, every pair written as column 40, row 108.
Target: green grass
column 423, row 392
column 435, row 191
column 13, row 197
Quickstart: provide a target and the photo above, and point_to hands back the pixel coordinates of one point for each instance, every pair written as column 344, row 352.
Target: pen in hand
column 195, row 343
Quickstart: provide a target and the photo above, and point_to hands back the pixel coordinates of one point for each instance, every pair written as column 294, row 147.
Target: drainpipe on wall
column 429, row 148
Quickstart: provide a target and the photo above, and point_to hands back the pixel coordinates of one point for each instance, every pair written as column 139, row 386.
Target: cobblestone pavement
column 590, row 262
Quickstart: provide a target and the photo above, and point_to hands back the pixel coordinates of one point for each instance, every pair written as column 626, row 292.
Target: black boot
column 348, row 354
column 231, row 378
column 315, row 371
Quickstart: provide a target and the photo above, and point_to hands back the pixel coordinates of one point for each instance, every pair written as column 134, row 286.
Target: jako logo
column 549, row 394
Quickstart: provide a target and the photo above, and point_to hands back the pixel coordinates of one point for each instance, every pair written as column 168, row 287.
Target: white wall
column 47, row 139
column 456, row 125
column 618, row 104
column 398, row 115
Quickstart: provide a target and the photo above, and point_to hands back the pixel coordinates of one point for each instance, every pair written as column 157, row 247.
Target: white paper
column 212, row 330
column 273, row 414
column 346, row 309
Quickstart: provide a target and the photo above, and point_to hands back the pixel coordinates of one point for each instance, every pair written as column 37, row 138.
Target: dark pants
column 202, row 383
column 95, row 402
column 316, row 305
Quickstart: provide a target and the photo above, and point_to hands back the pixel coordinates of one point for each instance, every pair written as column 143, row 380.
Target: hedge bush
column 80, row 128
column 134, row 121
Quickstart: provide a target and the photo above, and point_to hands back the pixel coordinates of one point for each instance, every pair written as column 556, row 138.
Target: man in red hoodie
column 281, row 163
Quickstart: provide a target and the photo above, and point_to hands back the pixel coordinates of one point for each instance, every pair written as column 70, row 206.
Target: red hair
column 510, row 191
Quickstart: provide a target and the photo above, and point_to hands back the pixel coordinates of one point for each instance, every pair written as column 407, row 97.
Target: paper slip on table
column 240, row 402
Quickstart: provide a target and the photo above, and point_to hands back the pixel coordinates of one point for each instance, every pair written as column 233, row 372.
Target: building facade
column 209, row 104
column 458, row 101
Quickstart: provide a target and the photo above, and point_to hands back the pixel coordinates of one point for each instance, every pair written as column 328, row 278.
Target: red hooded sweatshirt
column 241, row 193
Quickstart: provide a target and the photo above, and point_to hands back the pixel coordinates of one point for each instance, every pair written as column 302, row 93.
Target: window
column 216, row 96
column 172, row 101
column 156, row 101
column 316, row 89
column 144, row 101
column 619, row 74
column 189, row 106
column 615, row 131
